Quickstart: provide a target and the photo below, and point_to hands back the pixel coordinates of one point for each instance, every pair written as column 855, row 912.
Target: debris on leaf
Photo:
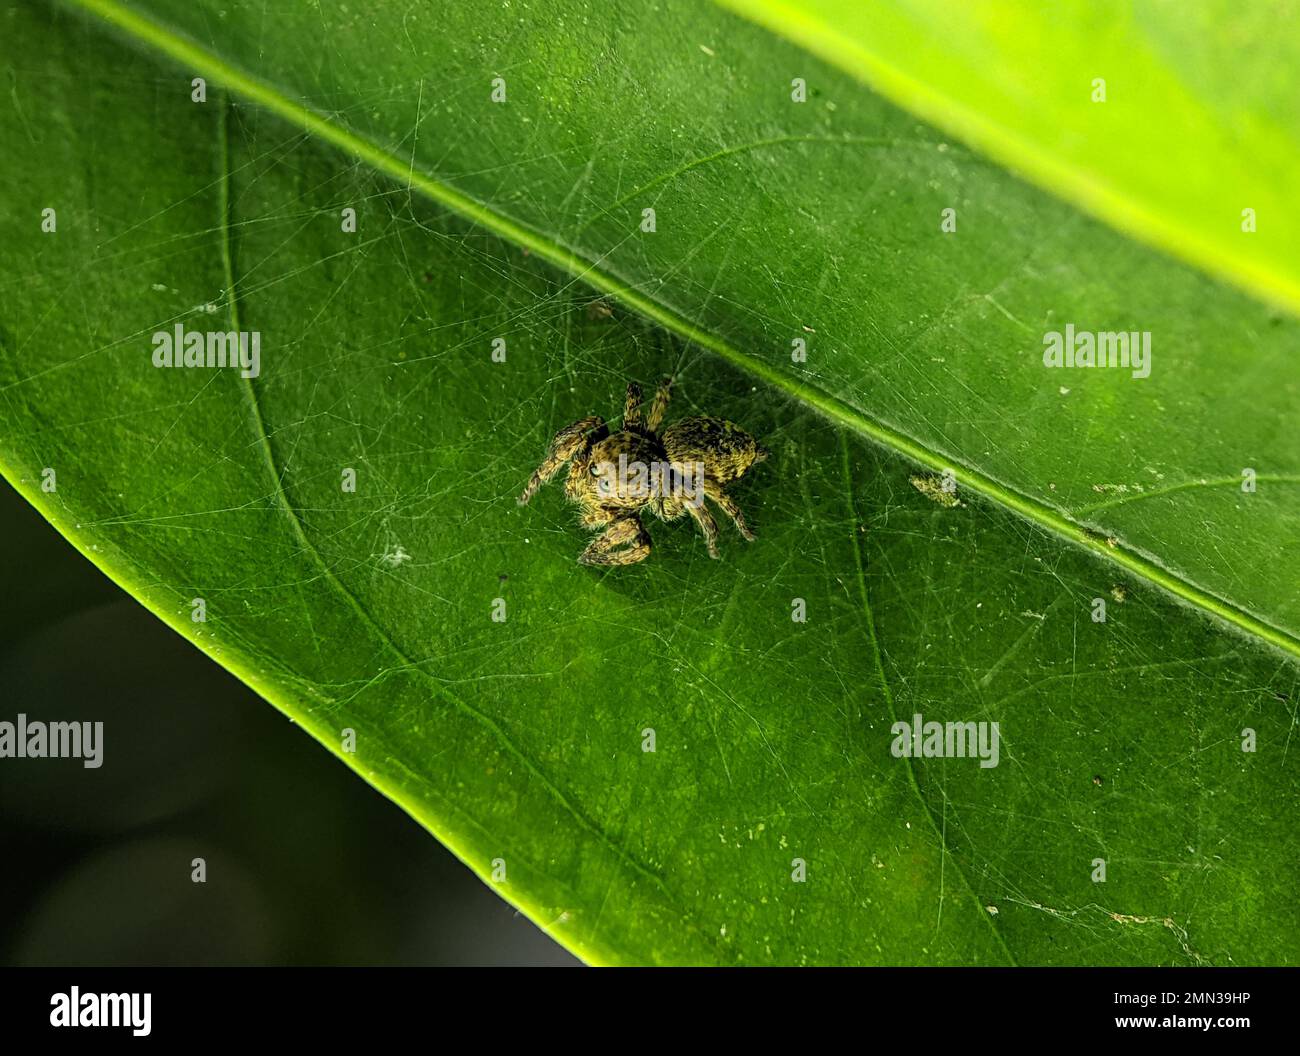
column 599, row 309
column 932, row 488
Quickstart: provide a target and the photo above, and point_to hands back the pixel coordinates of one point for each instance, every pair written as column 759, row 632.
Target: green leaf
column 821, row 222
column 521, row 742
column 1147, row 114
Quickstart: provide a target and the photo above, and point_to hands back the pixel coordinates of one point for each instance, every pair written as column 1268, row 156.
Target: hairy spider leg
column 632, row 407
column 659, row 405
column 625, row 542
column 568, row 443
column 707, row 525
column 728, row 505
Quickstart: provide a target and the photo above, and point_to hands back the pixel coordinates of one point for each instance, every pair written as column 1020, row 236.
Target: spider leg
column 659, row 405
column 625, row 542
column 568, row 443
column 728, row 506
column 632, row 407
column 707, row 525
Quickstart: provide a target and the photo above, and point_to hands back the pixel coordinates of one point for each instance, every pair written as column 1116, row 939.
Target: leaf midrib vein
column 165, row 39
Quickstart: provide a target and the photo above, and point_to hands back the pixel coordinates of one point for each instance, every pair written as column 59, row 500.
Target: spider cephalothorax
column 614, row 476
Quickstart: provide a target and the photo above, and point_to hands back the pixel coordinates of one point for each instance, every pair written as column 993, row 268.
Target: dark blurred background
column 306, row 864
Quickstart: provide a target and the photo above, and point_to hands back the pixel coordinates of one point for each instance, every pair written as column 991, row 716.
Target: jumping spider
column 694, row 457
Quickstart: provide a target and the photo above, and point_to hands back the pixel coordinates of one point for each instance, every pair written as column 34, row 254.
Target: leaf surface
column 520, row 742
column 1167, row 119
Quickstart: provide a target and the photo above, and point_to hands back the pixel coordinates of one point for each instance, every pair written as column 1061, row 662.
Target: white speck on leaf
column 396, row 556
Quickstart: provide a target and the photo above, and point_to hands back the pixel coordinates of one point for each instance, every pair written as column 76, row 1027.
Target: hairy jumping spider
column 671, row 474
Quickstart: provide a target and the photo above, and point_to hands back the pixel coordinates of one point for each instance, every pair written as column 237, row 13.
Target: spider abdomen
column 725, row 449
